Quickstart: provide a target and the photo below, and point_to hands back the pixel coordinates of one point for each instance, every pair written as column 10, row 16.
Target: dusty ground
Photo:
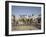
column 15, row 28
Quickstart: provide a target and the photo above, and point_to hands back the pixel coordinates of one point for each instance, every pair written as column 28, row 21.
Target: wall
column 2, row 18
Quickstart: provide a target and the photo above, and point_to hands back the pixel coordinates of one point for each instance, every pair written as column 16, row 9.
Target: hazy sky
column 25, row 10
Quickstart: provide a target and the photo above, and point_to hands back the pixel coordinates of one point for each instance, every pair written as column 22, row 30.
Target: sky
column 25, row 10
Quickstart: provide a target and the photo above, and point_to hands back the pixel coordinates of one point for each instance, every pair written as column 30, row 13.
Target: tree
column 32, row 14
column 39, row 15
column 22, row 20
column 31, row 20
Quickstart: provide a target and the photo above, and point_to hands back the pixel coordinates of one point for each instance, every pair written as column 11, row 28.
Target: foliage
column 25, row 20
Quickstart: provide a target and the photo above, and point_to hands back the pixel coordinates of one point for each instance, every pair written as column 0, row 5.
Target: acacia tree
column 26, row 21
column 32, row 14
column 22, row 20
column 31, row 20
